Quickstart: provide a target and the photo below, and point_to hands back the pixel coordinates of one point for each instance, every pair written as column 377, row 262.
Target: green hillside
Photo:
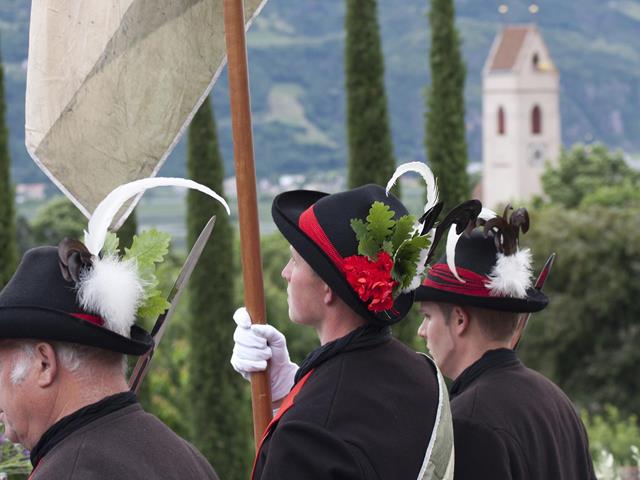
column 296, row 67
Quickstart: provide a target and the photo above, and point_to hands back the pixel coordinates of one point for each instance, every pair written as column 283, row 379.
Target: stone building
column 520, row 115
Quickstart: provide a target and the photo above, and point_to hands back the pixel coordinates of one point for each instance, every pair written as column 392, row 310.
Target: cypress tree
column 370, row 149
column 445, row 132
column 127, row 231
column 8, row 243
column 220, row 424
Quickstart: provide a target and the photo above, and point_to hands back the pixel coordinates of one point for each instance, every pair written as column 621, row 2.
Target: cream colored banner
column 113, row 84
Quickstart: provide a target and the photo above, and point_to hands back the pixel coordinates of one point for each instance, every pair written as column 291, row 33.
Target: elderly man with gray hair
column 63, row 390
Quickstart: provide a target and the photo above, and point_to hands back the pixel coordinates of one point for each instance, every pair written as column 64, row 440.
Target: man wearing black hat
column 363, row 405
column 63, row 391
column 509, row 421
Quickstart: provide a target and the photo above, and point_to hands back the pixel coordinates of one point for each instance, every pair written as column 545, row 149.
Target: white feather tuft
column 511, row 275
column 427, row 175
column 102, row 216
column 113, row 290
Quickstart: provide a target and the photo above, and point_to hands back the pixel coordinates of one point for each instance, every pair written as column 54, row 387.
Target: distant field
column 165, row 209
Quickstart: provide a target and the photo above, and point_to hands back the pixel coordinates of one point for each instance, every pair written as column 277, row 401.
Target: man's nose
column 286, row 271
column 422, row 331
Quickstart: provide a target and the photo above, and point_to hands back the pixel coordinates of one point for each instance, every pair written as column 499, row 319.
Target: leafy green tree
column 445, row 131
column 56, row 219
column 590, row 175
column 220, row 424
column 587, row 339
column 611, row 432
column 9, row 251
column 370, row 148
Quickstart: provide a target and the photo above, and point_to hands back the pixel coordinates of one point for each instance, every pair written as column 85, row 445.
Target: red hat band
column 441, row 278
column 309, row 224
column 89, row 318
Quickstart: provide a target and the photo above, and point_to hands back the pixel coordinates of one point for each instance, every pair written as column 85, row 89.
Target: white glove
column 254, row 345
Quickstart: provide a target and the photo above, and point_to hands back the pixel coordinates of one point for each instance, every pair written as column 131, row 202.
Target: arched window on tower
column 535, row 61
column 536, row 120
column 502, row 126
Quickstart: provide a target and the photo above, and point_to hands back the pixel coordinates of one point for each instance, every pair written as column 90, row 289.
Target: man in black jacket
column 363, row 405
column 510, row 422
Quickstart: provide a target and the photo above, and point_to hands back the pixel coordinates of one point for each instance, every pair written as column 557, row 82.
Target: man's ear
column 328, row 295
column 46, row 364
column 459, row 320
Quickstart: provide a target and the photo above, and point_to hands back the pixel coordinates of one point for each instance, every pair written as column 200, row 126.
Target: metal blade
column 142, row 365
column 542, row 278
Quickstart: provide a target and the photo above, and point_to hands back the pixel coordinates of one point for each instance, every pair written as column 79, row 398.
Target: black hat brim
column 24, row 321
column 533, row 302
column 286, row 210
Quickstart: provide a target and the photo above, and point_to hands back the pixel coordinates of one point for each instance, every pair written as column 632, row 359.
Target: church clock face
column 536, row 154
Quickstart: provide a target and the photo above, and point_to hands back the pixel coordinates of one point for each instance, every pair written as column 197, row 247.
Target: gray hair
column 71, row 356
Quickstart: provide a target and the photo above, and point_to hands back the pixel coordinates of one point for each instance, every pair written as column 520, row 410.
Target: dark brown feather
column 506, row 229
column 73, row 258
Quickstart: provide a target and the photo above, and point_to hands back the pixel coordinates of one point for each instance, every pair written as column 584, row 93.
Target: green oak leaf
column 154, row 306
column 111, row 244
column 148, row 247
column 360, row 228
column 406, row 259
column 402, row 231
column 369, row 248
column 381, row 222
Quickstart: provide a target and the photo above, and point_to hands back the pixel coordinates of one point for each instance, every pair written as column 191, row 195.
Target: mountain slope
column 297, row 80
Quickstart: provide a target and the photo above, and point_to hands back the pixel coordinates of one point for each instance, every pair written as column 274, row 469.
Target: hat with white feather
column 79, row 292
column 485, row 267
column 364, row 244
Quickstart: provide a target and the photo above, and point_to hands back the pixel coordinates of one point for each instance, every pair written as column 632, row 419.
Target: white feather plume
column 102, row 216
column 452, row 241
column 511, row 275
column 427, row 175
column 432, row 198
column 113, row 290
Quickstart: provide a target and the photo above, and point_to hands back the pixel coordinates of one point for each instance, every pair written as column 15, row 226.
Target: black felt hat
column 476, row 258
column 318, row 226
column 38, row 303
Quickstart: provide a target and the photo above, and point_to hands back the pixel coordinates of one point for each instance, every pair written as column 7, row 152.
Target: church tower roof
column 510, row 45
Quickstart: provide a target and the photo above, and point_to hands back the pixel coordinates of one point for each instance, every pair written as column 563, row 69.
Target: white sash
column 439, row 457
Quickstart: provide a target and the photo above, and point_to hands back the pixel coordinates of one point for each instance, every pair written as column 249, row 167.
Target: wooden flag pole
column 247, row 198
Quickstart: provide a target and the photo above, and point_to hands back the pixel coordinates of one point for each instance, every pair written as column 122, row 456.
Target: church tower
column 520, row 115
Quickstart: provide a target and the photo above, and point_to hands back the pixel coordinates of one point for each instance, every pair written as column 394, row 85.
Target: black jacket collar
column 69, row 424
column 366, row 336
column 492, row 359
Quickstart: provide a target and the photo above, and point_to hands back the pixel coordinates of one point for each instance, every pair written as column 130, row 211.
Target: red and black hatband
column 476, row 256
column 441, row 277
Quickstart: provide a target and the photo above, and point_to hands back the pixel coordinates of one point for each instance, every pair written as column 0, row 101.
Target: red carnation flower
column 371, row 280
